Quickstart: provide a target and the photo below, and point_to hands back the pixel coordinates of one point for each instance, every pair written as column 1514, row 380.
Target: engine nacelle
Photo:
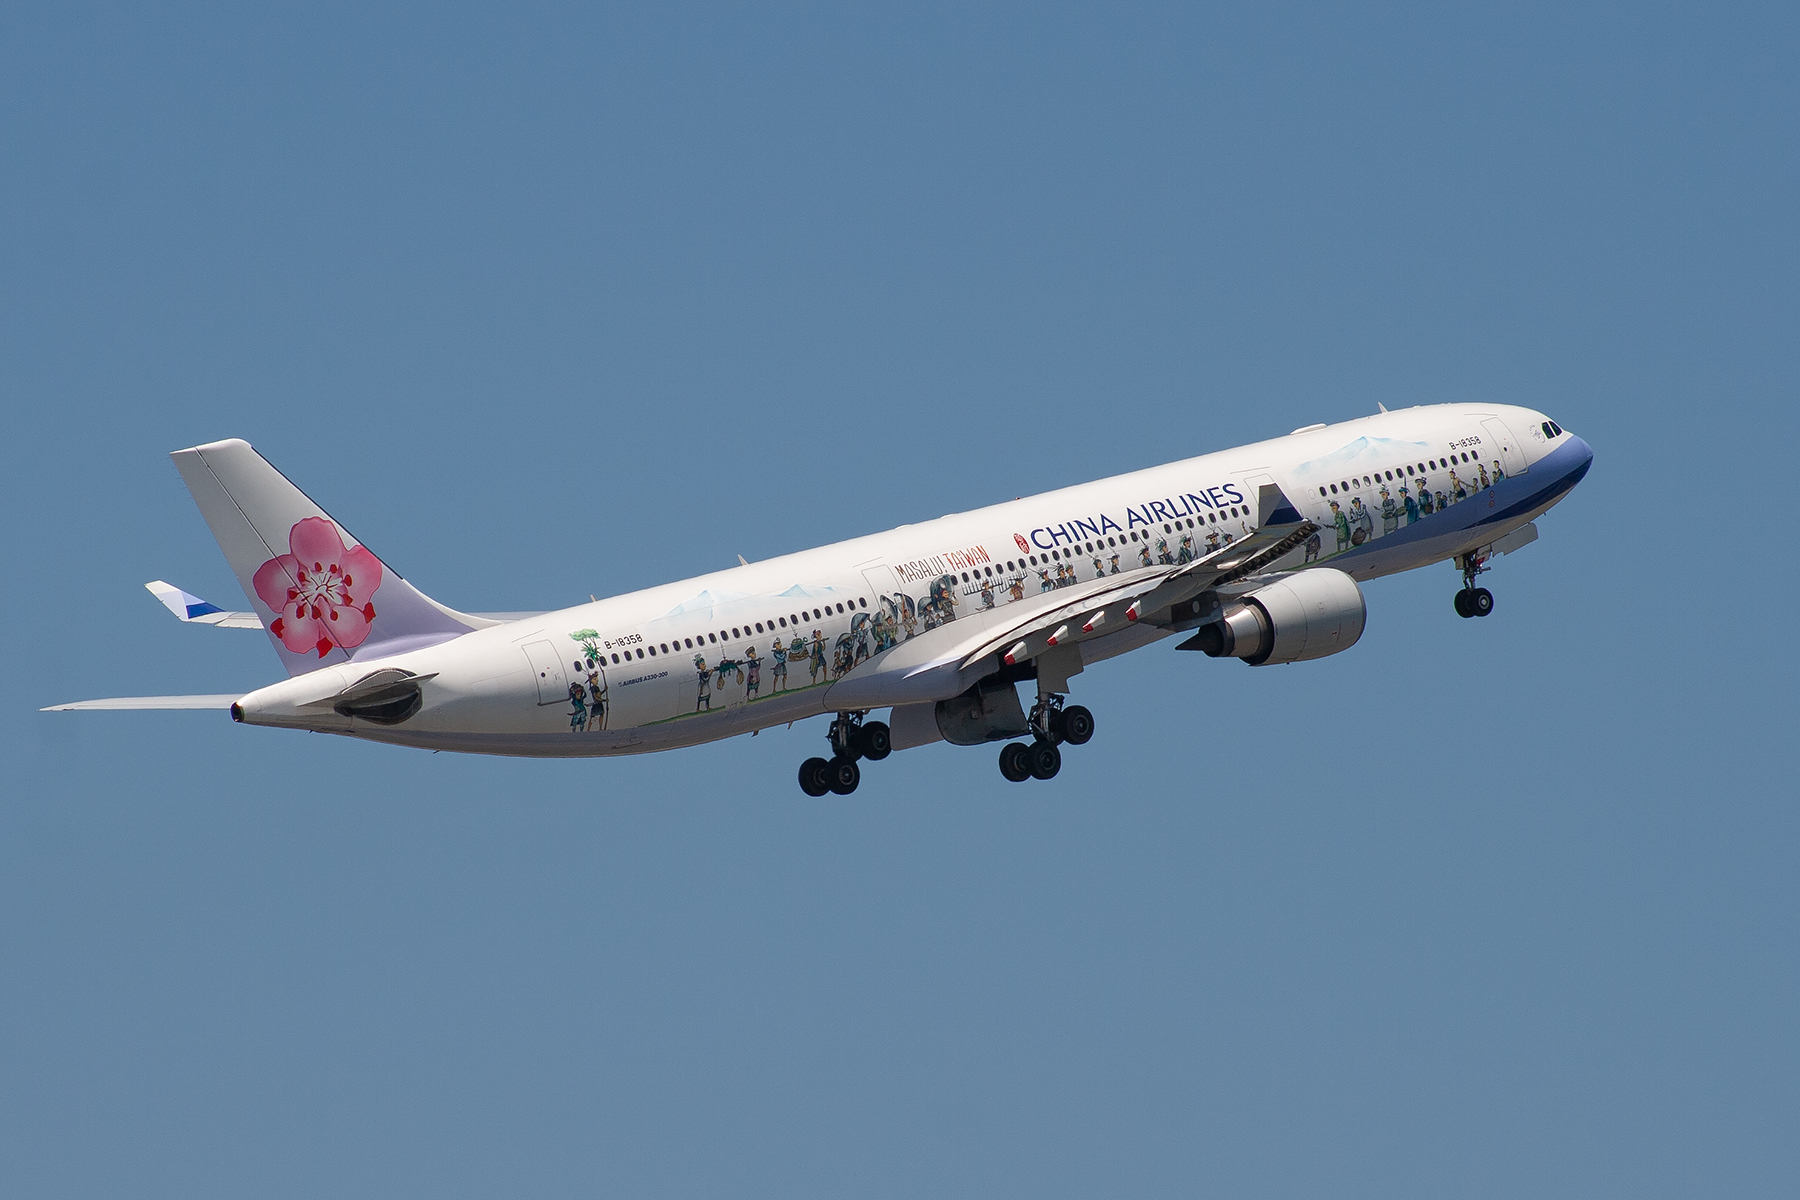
column 1307, row 615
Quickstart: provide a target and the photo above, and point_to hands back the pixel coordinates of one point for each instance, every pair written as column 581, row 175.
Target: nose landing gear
column 1051, row 723
column 1473, row 601
column 851, row 738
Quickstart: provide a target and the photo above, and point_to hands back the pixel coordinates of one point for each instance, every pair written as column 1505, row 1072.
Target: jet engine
column 1307, row 615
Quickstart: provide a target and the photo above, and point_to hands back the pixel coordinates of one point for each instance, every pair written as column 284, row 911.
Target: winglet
column 188, row 607
column 1274, row 508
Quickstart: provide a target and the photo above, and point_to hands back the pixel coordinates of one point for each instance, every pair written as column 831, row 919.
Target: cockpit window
column 1552, row 429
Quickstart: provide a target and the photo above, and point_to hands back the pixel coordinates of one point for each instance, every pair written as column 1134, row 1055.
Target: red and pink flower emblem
column 321, row 589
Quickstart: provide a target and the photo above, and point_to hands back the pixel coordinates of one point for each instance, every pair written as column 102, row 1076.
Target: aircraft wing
column 1107, row 605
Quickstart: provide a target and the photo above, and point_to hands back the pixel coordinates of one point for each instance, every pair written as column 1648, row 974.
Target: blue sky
column 547, row 302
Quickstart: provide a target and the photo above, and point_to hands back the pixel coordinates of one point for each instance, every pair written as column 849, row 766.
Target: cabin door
column 546, row 664
column 882, row 582
column 1511, row 457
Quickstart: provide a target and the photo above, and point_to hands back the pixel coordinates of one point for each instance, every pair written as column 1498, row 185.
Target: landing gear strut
column 1051, row 723
column 851, row 738
column 1473, row 601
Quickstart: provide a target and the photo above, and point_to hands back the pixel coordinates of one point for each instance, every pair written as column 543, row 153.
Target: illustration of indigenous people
column 1044, row 583
column 1343, row 527
column 987, row 593
column 1186, row 553
column 1099, row 568
column 1113, row 564
column 1361, row 521
column 778, row 668
column 753, row 672
column 1144, row 552
column 596, row 697
column 1485, row 485
column 817, row 667
column 1498, row 473
column 908, row 617
column 1162, row 552
column 1390, row 513
column 577, row 708
column 1457, row 490
column 1412, row 507
column 1312, row 549
column 1017, row 586
column 1425, row 505
column 704, row 698
column 1212, row 540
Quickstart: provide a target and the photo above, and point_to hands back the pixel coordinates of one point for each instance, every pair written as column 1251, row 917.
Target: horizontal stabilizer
column 188, row 607
column 123, row 703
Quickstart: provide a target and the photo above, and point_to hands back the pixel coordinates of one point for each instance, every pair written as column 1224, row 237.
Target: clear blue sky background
column 558, row 300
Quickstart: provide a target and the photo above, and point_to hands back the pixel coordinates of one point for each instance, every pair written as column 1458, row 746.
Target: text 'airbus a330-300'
column 1254, row 553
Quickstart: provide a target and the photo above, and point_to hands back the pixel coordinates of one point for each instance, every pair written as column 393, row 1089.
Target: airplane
column 1254, row 553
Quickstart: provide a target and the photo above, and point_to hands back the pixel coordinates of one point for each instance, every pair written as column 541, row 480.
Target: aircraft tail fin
column 323, row 597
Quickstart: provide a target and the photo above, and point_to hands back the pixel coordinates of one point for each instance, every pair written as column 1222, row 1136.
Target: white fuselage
column 791, row 637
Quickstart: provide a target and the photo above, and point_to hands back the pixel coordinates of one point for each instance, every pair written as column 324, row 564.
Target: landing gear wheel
column 874, row 741
column 812, row 777
column 1462, row 603
column 1014, row 761
column 1481, row 602
column 1077, row 725
column 842, row 775
column 1044, row 759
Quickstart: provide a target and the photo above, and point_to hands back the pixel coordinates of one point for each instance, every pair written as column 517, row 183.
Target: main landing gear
column 1473, row 601
column 851, row 738
column 1051, row 723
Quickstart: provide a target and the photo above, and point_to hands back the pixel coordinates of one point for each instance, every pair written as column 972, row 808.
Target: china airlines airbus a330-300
column 1253, row 553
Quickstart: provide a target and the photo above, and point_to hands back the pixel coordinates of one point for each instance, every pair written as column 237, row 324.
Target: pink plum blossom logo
column 321, row 588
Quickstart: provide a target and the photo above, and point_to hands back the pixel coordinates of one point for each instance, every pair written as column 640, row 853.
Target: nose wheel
column 851, row 738
column 1473, row 601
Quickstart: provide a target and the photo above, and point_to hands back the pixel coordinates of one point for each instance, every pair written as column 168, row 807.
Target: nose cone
column 1580, row 458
